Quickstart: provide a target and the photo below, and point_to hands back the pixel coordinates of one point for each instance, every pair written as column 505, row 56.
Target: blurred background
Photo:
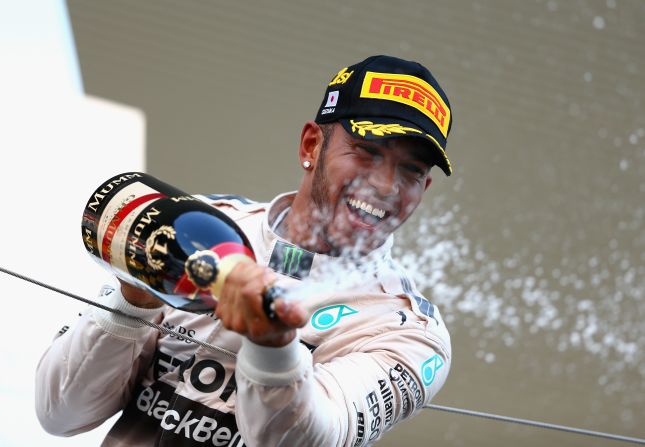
column 534, row 249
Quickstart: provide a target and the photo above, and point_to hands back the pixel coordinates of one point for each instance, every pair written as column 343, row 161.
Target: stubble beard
column 322, row 214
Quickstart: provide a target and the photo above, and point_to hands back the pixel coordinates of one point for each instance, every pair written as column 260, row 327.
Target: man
column 335, row 368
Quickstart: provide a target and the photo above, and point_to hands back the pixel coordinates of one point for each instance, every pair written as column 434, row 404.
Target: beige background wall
column 533, row 249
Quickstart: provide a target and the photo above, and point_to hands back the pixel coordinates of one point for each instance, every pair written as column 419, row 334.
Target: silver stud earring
column 306, row 164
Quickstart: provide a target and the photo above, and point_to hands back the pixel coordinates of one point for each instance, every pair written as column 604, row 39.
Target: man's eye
column 414, row 170
column 368, row 150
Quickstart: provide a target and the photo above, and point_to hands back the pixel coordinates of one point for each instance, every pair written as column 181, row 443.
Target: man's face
column 365, row 189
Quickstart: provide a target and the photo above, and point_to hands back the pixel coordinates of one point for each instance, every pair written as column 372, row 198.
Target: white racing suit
column 373, row 353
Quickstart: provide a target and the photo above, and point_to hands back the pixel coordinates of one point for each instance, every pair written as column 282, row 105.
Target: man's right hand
column 239, row 307
column 139, row 297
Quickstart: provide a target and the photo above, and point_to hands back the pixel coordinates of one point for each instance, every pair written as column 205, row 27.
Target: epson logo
column 375, row 411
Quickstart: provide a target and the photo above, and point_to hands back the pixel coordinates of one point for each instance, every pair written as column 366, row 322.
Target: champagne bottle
column 155, row 236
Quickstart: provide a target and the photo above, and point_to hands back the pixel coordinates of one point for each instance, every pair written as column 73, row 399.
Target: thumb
column 291, row 314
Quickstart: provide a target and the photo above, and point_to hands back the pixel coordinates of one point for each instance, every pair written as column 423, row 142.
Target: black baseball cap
column 386, row 97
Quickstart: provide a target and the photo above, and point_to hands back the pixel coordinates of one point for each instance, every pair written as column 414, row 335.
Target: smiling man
column 360, row 191
column 335, row 368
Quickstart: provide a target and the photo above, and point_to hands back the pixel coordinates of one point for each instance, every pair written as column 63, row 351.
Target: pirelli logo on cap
column 408, row 90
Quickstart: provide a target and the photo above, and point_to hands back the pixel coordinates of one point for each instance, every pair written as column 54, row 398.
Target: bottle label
column 117, row 218
column 156, row 236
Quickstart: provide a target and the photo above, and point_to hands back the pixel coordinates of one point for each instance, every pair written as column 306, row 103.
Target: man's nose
column 384, row 179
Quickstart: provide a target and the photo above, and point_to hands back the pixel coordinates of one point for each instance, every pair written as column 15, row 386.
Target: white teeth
column 374, row 211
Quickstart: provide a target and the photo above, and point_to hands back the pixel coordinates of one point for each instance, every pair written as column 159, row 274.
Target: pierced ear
column 311, row 140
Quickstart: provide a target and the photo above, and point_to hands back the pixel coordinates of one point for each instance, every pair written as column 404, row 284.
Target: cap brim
column 373, row 128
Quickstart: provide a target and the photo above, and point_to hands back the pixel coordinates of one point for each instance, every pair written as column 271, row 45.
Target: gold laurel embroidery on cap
column 341, row 77
column 380, row 130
